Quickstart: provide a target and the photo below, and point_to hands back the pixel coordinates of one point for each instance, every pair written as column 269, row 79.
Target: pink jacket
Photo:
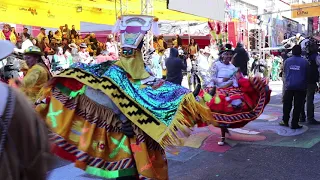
column 103, row 58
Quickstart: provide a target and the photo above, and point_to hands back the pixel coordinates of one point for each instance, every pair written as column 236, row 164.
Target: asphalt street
column 273, row 158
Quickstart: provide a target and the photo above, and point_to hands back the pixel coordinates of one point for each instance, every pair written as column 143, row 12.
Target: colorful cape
column 158, row 112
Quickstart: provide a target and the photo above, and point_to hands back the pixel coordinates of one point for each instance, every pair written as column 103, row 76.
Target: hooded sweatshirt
column 241, row 59
column 174, row 66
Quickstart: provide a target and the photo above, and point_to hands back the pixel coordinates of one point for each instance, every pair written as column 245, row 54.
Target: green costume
column 275, row 69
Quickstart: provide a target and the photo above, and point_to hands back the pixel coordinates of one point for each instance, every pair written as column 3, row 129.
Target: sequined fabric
column 162, row 102
column 95, row 69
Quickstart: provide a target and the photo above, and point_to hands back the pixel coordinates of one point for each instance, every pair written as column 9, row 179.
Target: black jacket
column 241, row 59
column 174, row 66
column 313, row 76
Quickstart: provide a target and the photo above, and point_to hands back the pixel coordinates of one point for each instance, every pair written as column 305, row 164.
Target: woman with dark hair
column 193, row 48
column 179, row 40
column 50, row 36
column 45, row 46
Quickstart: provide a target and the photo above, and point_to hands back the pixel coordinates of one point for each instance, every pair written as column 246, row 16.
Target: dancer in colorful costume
column 114, row 119
column 233, row 99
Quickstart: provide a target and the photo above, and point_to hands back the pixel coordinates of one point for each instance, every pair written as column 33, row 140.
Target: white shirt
column 156, row 66
column 84, row 57
column 225, row 71
column 25, row 45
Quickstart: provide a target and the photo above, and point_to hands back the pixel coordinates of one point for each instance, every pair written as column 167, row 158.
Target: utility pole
column 121, row 7
column 147, row 9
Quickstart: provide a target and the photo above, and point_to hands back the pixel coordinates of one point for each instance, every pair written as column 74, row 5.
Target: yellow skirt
column 89, row 134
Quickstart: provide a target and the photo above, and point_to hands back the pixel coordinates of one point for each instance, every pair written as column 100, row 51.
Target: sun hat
column 73, row 45
column 6, row 48
column 34, row 50
column 83, row 45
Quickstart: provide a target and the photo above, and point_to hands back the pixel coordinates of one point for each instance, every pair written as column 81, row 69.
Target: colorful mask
column 132, row 29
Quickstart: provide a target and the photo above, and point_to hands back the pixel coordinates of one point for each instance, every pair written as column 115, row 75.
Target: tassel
column 218, row 28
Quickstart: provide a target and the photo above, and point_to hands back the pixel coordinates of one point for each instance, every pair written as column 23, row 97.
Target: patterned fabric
column 254, row 97
column 89, row 134
column 157, row 112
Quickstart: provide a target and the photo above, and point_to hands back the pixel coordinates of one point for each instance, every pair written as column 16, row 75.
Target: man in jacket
column 296, row 75
column 241, row 59
column 24, row 146
column 174, row 66
column 313, row 78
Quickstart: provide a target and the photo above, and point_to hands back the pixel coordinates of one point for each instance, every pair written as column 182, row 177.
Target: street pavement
column 262, row 150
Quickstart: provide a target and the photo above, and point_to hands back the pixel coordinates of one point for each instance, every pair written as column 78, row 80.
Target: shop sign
column 305, row 10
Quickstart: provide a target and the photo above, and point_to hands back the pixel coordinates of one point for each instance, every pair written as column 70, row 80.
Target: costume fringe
column 188, row 113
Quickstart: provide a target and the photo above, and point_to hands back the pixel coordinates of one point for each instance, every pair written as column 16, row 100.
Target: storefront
column 241, row 17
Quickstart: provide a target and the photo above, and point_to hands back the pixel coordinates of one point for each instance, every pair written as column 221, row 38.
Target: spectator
column 54, row 43
column 241, row 59
column 50, row 36
column 313, row 79
column 25, row 30
column 41, row 35
column 193, row 49
column 179, row 40
column 6, row 34
column 25, row 44
column 66, row 31
column 57, row 35
column 296, row 76
column 174, row 66
column 93, row 41
column 45, row 46
column 73, row 31
column 64, row 44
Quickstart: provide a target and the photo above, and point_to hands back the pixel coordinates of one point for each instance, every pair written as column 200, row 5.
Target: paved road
column 260, row 151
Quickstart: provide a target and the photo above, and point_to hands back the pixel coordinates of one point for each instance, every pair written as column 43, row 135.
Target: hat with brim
column 33, row 50
column 6, row 49
column 73, row 45
column 83, row 45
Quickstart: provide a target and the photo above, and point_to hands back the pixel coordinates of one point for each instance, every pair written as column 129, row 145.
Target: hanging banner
column 315, row 23
column 305, row 10
column 232, row 33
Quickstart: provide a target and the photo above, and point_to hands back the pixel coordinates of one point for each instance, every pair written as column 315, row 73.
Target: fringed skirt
column 89, row 134
column 254, row 94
